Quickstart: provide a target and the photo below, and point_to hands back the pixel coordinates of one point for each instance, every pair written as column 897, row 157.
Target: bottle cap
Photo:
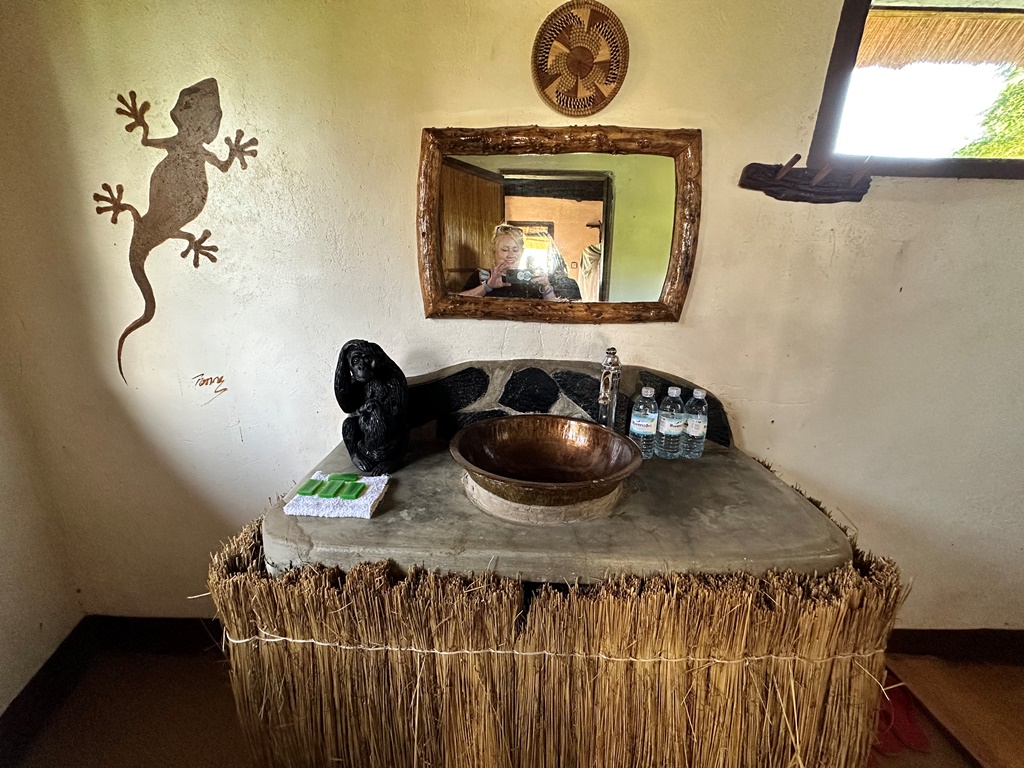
column 699, row 393
column 674, row 391
column 647, row 392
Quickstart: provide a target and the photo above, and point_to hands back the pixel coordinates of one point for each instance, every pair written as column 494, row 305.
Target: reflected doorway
column 565, row 216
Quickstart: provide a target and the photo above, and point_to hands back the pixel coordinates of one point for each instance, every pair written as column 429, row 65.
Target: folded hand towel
column 314, row 506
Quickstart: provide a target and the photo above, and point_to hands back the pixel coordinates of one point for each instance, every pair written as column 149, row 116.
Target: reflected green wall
column 644, row 188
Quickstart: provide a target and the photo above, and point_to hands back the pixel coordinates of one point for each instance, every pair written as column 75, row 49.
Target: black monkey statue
column 372, row 388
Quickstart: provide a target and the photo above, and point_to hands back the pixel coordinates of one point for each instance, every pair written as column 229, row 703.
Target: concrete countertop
column 723, row 512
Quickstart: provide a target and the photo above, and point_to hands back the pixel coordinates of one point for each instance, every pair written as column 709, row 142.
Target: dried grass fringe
column 424, row 670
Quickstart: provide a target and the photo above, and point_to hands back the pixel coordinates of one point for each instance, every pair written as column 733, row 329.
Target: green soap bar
column 330, row 490
column 352, row 491
column 348, row 477
column 309, row 487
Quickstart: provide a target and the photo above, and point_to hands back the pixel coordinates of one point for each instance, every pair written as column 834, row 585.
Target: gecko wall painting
column 178, row 187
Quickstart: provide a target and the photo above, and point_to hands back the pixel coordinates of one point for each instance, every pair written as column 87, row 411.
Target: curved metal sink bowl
column 544, row 469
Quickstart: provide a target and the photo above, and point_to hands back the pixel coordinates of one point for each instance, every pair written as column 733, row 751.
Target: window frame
column 852, row 19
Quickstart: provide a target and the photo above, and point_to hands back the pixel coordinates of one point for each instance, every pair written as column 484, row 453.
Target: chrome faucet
column 609, row 392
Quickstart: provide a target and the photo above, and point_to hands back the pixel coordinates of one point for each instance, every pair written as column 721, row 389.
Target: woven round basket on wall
column 580, row 58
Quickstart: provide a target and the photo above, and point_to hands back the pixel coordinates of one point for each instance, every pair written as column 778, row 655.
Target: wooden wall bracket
column 827, row 184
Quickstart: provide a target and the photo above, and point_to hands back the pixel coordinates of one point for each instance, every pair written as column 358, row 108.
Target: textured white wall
column 869, row 351
column 37, row 601
column 38, row 605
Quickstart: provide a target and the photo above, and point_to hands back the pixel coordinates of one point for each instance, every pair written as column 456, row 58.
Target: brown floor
column 944, row 752
column 153, row 710
column 145, row 710
column 981, row 705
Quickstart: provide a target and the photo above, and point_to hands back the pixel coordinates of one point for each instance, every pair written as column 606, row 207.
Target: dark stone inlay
column 581, row 388
column 530, row 391
column 463, row 388
column 450, row 423
column 623, row 410
column 452, row 393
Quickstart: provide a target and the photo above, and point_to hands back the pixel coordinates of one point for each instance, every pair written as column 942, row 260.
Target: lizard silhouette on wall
column 177, row 188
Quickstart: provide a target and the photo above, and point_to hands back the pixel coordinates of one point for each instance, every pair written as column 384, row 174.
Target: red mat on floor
column 898, row 727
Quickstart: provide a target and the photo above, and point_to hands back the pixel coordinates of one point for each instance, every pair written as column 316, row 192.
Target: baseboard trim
column 999, row 646
column 154, row 635
column 30, row 711
column 39, row 699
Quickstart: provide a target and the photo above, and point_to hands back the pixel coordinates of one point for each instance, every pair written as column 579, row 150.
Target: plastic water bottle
column 644, row 422
column 668, row 443
column 696, row 414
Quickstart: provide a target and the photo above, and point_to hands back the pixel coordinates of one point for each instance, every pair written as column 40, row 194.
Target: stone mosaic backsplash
column 469, row 392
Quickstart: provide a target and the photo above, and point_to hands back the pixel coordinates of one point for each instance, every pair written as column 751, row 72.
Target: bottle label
column 672, row 425
column 643, row 424
column 697, row 426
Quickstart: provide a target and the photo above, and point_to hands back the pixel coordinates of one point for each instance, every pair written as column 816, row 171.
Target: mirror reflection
column 578, row 227
column 526, row 265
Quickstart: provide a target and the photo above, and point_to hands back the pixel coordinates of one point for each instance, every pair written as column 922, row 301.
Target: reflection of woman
column 507, row 250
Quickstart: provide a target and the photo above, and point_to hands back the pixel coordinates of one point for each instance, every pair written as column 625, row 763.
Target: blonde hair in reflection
column 507, row 230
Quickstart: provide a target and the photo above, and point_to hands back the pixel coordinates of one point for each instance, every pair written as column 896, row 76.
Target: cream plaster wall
column 38, row 605
column 870, row 351
column 37, row 602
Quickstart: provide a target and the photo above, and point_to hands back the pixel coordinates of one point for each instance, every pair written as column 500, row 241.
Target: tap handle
column 610, row 370
column 604, row 395
column 611, row 360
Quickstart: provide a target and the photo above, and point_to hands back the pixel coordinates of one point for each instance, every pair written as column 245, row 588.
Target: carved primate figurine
column 178, row 186
column 372, row 388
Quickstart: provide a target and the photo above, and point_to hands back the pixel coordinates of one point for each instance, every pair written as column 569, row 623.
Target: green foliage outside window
column 1003, row 124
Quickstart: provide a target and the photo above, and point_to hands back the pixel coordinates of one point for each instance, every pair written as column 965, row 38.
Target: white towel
column 314, row 506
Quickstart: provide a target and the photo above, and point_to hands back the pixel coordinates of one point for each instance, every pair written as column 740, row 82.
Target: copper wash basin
column 544, row 460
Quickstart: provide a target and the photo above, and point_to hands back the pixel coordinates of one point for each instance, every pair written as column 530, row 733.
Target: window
column 925, row 88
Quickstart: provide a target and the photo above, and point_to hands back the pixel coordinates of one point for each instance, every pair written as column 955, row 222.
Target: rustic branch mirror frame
column 683, row 145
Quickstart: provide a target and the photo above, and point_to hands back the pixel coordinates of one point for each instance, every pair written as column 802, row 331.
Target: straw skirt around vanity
column 377, row 669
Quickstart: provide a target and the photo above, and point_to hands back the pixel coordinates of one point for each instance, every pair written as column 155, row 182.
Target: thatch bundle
column 373, row 668
column 896, row 37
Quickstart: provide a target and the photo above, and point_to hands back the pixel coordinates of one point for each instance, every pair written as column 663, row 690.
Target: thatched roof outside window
column 897, row 37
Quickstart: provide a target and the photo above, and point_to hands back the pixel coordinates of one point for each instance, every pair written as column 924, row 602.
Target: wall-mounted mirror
column 576, row 225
